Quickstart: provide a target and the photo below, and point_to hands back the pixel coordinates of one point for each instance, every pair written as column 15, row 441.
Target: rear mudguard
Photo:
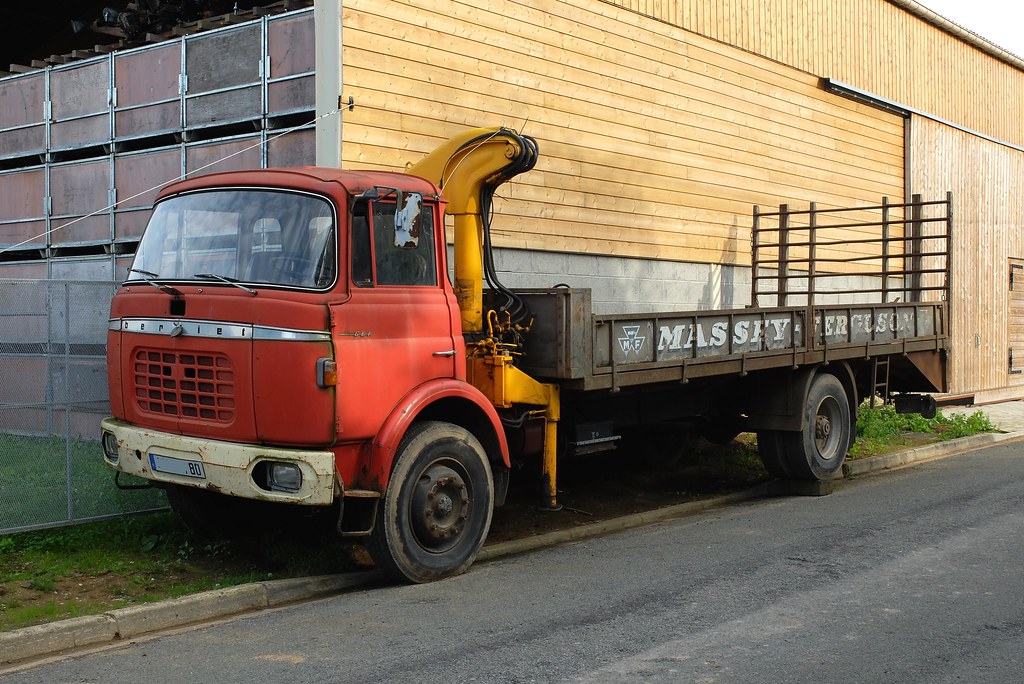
column 779, row 404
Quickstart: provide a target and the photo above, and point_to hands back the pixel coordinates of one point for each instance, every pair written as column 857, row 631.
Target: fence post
column 885, row 249
column 755, row 257
column 916, row 248
column 782, row 296
column 69, row 467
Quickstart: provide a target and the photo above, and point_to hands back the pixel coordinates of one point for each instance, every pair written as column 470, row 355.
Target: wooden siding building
column 662, row 122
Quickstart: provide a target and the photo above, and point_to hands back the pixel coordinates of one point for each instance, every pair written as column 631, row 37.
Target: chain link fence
column 53, row 394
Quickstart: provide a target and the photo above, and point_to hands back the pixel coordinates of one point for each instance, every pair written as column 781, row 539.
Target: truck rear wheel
column 817, row 452
column 769, row 449
column 437, row 509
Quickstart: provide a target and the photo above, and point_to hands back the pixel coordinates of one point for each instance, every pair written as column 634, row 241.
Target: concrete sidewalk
column 1007, row 416
column 22, row 646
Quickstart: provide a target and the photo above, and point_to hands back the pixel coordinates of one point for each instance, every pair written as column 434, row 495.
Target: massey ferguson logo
column 632, row 342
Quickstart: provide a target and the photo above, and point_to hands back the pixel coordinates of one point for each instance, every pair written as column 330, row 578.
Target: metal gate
column 53, row 393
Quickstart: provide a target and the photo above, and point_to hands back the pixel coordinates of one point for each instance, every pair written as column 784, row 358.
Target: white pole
column 327, row 27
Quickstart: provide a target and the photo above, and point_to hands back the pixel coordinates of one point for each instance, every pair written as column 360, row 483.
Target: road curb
column 30, row 643
column 38, row 641
column 928, row 452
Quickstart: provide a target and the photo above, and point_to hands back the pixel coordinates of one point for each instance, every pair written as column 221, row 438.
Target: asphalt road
column 910, row 576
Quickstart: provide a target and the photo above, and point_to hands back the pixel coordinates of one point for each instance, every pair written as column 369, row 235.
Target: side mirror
column 407, row 220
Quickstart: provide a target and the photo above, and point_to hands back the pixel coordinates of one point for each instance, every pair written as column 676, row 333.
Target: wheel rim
column 828, row 429
column 440, row 507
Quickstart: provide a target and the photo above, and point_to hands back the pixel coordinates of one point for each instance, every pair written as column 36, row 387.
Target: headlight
column 110, row 446
column 285, row 477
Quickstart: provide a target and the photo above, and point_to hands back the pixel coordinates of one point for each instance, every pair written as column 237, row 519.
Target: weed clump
column 881, row 429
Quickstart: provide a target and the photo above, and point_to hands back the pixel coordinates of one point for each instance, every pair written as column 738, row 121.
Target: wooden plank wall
column 871, row 44
column 655, row 142
column 988, row 230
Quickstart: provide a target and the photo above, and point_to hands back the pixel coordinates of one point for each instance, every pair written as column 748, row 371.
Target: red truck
column 292, row 336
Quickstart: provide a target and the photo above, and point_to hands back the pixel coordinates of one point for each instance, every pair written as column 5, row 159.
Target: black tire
column 769, row 449
column 437, row 509
column 817, row 452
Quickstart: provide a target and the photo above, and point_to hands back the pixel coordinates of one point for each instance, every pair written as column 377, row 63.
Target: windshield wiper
column 151, row 277
column 225, row 279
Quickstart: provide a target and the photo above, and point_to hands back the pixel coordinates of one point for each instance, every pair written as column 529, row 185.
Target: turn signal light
column 326, row 372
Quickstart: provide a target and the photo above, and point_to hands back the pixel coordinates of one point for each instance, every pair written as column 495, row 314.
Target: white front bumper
column 228, row 466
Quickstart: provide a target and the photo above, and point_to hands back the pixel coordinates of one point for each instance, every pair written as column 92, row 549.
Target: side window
column 321, row 242
column 384, row 255
column 405, row 256
column 362, row 257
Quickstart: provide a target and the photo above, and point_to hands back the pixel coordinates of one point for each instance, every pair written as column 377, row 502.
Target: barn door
column 1015, row 310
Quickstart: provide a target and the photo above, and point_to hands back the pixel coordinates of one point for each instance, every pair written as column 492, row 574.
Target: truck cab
column 278, row 332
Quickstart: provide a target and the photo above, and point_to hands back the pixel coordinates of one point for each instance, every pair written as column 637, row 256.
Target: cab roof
column 319, row 179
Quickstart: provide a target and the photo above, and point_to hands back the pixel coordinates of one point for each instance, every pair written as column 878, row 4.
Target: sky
column 1000, row 21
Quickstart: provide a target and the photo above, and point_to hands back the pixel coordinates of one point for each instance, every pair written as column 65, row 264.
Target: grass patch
column 881, row 429
column 85, row 569
column 34, row 475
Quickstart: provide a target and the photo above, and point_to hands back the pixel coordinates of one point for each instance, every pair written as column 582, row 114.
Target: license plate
column 177, row 466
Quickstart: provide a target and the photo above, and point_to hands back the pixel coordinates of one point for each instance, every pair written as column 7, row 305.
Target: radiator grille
column 187, row 385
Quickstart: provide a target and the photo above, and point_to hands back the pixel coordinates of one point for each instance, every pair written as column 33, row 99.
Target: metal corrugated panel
column 22, row 122
column 113, row 129
column 290, row 43
column 148, row 91
column 80, row 195
column 80, row 104
column 23, row 209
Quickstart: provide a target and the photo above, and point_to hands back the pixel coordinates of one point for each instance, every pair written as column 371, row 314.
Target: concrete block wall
column 629, row 285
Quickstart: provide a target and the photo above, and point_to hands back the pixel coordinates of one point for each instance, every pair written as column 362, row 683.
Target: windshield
column 250, row 236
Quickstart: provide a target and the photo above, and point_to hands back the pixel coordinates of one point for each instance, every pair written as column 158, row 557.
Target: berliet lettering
column 174, row 328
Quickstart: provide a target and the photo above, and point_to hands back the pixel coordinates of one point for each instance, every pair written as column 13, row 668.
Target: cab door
column 396, row 331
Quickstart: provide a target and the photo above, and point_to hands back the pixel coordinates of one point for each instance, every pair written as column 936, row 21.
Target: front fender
column 474, row 410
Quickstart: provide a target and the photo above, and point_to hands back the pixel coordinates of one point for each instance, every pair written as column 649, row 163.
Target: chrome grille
column 187, row 385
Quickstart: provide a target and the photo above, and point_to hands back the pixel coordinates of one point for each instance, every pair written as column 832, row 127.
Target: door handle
column 450, row 352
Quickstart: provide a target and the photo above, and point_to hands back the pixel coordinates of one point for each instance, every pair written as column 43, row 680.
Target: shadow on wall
column 720, row 289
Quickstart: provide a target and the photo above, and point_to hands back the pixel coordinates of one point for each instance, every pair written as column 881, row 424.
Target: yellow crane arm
column 469, row 167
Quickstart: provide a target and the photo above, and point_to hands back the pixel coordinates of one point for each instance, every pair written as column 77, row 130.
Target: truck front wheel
column 817, row 452
column 437, row 509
